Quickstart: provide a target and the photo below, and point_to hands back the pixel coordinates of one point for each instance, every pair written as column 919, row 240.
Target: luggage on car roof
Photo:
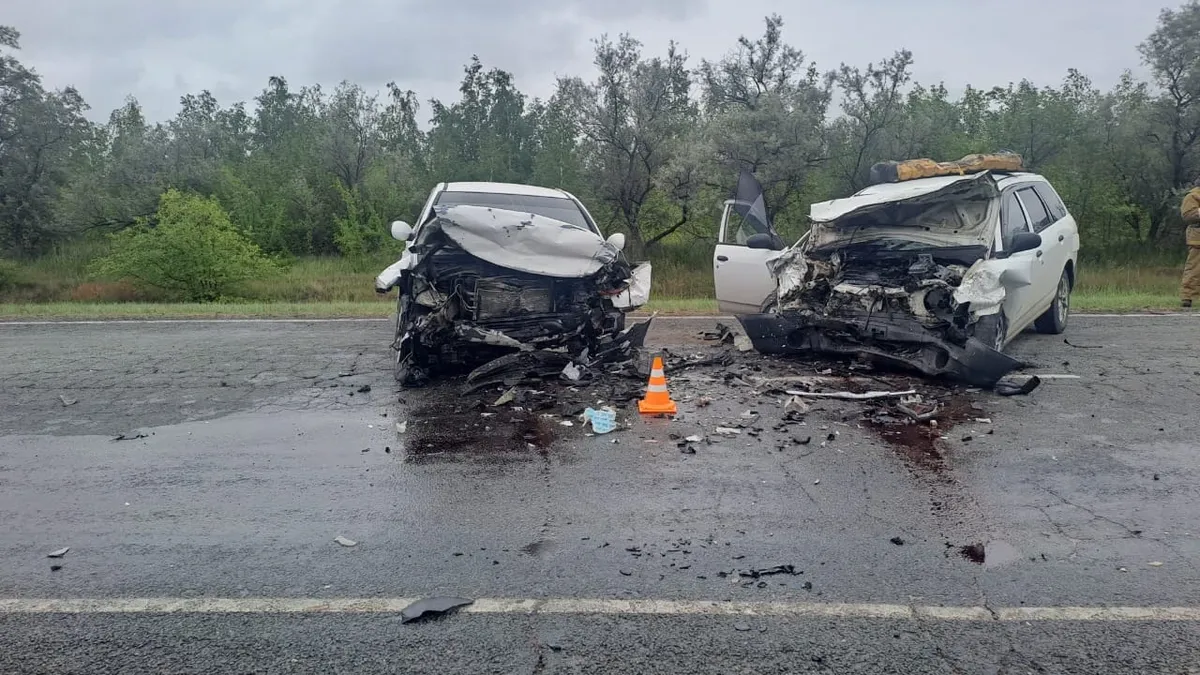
column 895, row 172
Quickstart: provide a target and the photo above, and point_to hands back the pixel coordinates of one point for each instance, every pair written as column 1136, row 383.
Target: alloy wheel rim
column 1064, row 299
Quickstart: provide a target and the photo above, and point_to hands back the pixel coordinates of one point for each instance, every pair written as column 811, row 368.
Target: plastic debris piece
column 1156, row 564
column 726, row 431
column 429, row 608
column 401, row 427
column 67, row 400
column 1017, row 385
column 59, row 553
column 345, row 542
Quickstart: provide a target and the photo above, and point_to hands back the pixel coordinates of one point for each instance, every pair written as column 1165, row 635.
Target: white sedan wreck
column 494, row 269
column 936, row 274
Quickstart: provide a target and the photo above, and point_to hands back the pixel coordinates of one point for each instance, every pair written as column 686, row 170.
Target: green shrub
column 10, row 275
column 193, row 252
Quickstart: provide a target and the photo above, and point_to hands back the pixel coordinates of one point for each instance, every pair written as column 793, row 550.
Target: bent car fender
column 390, row 276
column 638, row 291
column 982, row 287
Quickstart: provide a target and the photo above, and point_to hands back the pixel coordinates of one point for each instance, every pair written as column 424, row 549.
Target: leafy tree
column 39, row 131
column 631, row 119
column 873, row 102
column 765, row 112
column 192, row 252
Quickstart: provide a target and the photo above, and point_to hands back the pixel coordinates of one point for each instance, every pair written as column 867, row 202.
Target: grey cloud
column 159, row 50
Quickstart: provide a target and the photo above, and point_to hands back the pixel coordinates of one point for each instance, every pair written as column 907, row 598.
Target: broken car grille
column 502, row 297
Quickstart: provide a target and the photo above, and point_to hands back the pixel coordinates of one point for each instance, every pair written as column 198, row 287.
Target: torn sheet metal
column 943, row 211
column 524, row 242
column 893, row 343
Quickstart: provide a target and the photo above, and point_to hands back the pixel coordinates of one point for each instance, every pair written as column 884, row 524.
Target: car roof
column 506, row 189
column 1003, row 179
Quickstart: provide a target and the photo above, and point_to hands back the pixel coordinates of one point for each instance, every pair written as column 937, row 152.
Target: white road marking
column 1055, row 376
column 592, row 606
column 104, row 322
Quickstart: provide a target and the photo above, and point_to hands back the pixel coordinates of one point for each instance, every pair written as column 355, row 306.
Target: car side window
column 1039, row 217
column 1012, row 219
column 1052, row 201
column 739, row 228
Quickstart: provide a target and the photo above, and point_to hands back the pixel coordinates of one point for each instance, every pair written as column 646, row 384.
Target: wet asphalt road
column 262, row 443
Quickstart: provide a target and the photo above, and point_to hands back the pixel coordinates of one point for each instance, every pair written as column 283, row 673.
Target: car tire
column 992, row 329
column 1054, row 320
column 771, row 304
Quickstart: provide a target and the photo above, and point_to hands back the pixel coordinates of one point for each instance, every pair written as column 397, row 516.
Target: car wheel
column 1054, row 320
column 992, row 329
column 771, row 304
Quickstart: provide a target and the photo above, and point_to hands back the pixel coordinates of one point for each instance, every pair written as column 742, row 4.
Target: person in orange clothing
column 1189, row 288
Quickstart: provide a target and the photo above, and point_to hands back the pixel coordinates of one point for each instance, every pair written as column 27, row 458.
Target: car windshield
column 558, row 208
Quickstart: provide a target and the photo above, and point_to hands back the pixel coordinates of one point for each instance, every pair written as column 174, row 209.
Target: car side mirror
column 764, row 240
column 1024, row 241
column 617, row 239
column 401, row 230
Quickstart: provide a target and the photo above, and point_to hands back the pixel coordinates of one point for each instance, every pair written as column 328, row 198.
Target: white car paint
column 740, row 273
column 1029, row 279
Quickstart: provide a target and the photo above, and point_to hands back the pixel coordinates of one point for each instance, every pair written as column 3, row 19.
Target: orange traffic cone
column 657, row 400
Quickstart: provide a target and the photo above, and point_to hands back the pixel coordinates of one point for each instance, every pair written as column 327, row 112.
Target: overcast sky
column 158, row 50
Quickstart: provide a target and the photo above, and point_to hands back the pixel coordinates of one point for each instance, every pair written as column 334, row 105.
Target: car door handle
column 1039, row 254
column 723, row 258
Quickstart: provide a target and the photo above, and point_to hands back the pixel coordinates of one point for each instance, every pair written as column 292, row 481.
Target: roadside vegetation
column 279, row 207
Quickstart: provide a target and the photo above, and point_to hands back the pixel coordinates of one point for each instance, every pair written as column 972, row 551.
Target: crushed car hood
column 522, row 241
column 942, row 211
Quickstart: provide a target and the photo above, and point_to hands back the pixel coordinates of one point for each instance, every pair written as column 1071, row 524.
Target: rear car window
column 558, row 208
column 1039, row 217
column 1051, row 200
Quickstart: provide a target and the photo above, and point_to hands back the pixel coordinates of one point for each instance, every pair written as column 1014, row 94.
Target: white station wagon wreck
column 495, row 269
column 935, row 273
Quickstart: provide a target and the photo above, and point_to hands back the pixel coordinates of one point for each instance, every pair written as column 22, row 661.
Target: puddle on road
column 447, row 427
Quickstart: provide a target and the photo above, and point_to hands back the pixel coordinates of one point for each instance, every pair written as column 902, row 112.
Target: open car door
column 744, row 243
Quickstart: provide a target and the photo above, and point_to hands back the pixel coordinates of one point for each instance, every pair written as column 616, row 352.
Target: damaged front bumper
column 895, row 341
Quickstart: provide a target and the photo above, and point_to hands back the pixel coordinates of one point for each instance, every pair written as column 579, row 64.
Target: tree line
column 652, row 143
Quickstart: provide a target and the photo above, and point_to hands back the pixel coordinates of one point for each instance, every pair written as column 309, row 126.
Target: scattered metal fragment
column 130, row 437
column 345, row 542
column 66, row 401
column 918, row 409
column 429, row 608
column 1156, row 564
column 726, row 431
column 401, row 427
column 897, row 541
column 55, row 568
column 365, row 389
column 59, row 553
column 795, row 408
column 506, row 398
column 572, row 372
